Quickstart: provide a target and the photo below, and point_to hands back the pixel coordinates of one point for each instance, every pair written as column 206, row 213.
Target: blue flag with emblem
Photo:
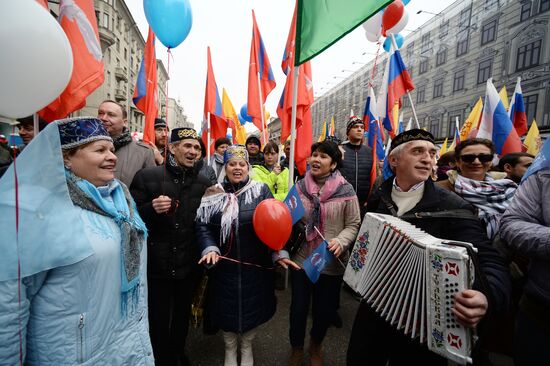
column 317, row 261
column 295, row 205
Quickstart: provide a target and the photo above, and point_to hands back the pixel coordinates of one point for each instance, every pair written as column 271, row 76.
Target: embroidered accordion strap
column 446, row 214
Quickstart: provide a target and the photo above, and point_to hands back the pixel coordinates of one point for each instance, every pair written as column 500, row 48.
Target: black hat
column 411, row 135
column 253, row 139
column 159, row 122
column 183, row 133
column 30, row 120
column 353, row 120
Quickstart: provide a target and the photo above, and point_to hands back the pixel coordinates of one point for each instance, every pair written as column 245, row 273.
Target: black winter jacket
column 356, row 168
column 241, row 296
column 436, row 198
column 171, row 245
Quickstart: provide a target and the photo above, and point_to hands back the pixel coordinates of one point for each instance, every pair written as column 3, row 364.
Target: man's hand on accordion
column 470, row 307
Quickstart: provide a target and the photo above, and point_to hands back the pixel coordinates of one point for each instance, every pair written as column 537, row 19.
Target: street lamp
column 347, row 70
column 429, row 12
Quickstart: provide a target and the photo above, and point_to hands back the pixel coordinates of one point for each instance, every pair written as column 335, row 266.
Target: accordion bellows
column 409, row 277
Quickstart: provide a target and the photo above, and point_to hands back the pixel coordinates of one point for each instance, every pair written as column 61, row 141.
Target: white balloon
column 401, row 24
column 372, row 37
column 36, row 61
column 373, row 27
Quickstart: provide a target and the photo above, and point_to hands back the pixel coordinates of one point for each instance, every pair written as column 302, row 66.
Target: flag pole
column 408, row 92
column 264, row 127
column 293, row 127
column 208, row 139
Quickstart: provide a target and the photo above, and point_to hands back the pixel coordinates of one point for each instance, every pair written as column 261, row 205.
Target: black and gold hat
column 183, row 133
column 411, row 135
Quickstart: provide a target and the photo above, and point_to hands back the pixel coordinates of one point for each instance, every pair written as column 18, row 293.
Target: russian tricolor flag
column 517, row 111
column 397, row 83
column 371, row 123
column 495, row 124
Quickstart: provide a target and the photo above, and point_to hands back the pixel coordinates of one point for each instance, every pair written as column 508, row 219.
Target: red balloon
column 392, row 15
column 272, row 223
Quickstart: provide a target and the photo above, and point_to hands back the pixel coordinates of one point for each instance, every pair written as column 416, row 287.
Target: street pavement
column 271, row 346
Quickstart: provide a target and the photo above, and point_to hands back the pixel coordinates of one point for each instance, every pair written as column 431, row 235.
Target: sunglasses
column 470, row 158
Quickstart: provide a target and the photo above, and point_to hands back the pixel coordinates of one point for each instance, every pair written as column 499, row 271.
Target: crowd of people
column 120, row 234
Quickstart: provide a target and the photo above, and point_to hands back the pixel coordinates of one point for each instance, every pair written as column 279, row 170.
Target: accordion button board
column 409, row 278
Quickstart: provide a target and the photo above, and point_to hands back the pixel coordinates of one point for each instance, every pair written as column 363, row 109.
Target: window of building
column 410, row 50
column 438, row 88
column 525, row 12
column 98, row 17
column 425, row 42
column 441, row 57
column 489, row 3
column 106, row 20
column 544, row 5
column 458, row 80
column 488, row 32
column 484, row 71
column 421, row 94
column 406, row 102
column 117, row 45
column 531, row 106
column 528, row 55
column 462, row 46
column 465, row 17
column 423, row 66
column 125, row 53
column 443, row 29
column 434, row 126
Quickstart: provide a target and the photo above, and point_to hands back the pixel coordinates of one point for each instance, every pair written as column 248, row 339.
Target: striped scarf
column 490, row 197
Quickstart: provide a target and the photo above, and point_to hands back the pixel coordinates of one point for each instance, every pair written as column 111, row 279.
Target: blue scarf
column 114, row 201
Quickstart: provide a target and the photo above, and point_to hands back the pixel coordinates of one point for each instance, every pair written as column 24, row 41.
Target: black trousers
column 374, row 342
column 325, row 296
column 169, row 309
column 531, row 341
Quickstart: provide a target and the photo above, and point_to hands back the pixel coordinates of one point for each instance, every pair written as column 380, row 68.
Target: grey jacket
column 132, row 158
column 525, row 228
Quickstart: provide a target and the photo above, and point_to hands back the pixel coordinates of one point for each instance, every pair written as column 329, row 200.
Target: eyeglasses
column 470, row 158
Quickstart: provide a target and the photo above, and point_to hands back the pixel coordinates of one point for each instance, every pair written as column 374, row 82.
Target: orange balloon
column 272, row 223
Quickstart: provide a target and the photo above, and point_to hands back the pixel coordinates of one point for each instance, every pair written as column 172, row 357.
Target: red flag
column 212, row 104
column 259, row 72
column 78, row 20
column 145, row 92
column 304, row 101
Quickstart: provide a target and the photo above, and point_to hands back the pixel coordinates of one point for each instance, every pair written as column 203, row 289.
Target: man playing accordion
column 411, row 195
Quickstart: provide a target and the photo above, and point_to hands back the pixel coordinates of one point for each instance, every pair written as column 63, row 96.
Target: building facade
column 176, row 116
column 450, row 59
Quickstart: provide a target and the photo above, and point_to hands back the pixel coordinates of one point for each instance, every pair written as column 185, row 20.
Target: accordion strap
column 447, row 214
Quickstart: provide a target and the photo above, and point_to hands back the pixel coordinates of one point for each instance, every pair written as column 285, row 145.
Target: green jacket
column 278, row 184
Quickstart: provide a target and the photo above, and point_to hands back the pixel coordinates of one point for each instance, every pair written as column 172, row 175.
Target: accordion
column 409, row 278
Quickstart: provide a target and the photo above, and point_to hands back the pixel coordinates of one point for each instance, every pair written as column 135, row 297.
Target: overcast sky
column 226, row 26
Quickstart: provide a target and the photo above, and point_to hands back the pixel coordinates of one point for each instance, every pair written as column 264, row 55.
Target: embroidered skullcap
column 160, row 123
column 353, row 120
column 79, row 131
column 183, row 133
column 234, row 152
column 411, row 135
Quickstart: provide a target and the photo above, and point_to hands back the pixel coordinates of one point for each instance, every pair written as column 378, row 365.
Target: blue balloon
column 244, row 113
column 398, row 40
column 405, row 2
column 171, row 20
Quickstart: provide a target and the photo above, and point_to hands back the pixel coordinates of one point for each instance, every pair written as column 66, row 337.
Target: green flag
column 322, row 23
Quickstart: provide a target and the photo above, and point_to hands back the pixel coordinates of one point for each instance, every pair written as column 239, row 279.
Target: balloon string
column 375, row 64
column 16, row 180
column 169, row 52
column 245, row 263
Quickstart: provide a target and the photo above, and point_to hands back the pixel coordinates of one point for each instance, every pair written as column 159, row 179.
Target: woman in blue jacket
column 73, row 277
column 241, row 293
